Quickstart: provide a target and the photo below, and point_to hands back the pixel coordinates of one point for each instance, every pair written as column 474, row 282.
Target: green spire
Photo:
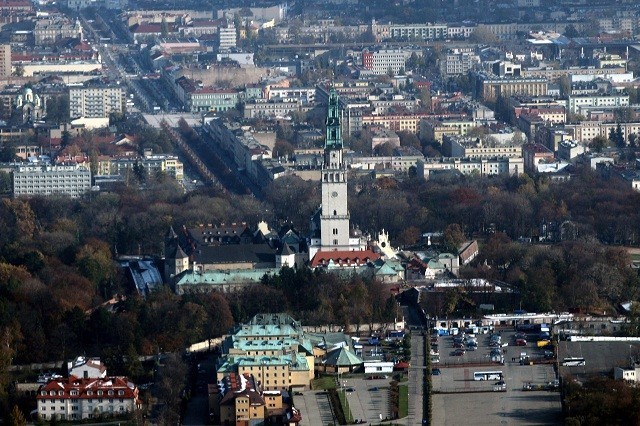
column 333, row 138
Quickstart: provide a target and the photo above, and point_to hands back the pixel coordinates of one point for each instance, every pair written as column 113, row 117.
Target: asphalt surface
column 481, row 400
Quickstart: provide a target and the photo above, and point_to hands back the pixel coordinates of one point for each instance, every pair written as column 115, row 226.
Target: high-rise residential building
column 73, row 180
column 96, row 100
column 5, row 60
column 227, row 37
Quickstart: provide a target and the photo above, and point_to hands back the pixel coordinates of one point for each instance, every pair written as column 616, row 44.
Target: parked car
column 458, row 352
column 521, row 342
column 435, row 371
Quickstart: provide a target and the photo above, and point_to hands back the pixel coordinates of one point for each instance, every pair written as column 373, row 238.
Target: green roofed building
column 342, row 360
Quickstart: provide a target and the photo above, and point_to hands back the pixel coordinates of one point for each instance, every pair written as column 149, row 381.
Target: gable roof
column 344, row 258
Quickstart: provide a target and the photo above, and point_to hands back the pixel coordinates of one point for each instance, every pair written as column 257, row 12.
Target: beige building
column 436, row 129
column 490, row 86
column 52, row 30
column 271, row 348
column 5, row 60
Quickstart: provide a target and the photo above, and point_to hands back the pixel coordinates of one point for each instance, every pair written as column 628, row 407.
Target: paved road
column 416, row 375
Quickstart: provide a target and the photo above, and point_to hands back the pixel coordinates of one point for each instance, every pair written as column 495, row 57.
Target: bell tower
column 334, row 219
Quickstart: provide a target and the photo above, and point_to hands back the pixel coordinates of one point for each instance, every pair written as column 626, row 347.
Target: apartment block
column 419, row 31
column 152, row 165
column 458, row 62
column 96, row 101
column 383, row 61
column 53, row 30
column 5, row 60
column 465, row 147
column 511, row 166
column 73, row 181
column 577, row 104
column 490, row 86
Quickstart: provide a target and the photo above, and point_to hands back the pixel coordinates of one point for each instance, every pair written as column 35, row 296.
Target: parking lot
column 368, row 400
column 488, row 402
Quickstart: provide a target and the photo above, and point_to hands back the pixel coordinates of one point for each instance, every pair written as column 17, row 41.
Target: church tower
column 334, row 218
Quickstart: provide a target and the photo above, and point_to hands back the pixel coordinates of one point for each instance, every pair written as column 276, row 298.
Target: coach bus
column 573, row 362
column 487, row 375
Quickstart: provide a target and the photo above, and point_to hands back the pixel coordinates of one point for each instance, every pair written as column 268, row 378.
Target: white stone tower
column 334, row 219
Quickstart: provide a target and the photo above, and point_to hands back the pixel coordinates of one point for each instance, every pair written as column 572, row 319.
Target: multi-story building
column 418, row 31
column 52, row 30
column 511, row 166
column 85, row 398
column 535, row 154
column 227, row 37
column 397, row 123
column 151, row 164
column 490, row 86
column 261, row 108
column 577, row 103
column 436, row 129
column 5, row 60
column 465, row 147
column 458, row 31
column 205, row 99
column 458, row 62
column 73, row 181
column 96, row 100
column 554, row 74
column 271, row 348
column 383, row 61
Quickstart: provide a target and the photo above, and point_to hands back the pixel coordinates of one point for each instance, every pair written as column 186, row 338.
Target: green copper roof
column 342, row 357
column 333, row 139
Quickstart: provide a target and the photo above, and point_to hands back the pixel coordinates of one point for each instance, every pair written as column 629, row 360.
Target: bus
column 487, row 375
column 573, row 362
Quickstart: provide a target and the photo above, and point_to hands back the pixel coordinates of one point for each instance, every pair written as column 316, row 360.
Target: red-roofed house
column 75, row 399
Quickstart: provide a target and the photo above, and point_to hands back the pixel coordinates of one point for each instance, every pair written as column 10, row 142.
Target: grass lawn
column 324, row 383
column 403, row 403
column 345, row 407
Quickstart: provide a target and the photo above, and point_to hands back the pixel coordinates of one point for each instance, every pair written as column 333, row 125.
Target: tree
column 16, row 418
column 454, row 237
column 570, row 31
column 599, row 143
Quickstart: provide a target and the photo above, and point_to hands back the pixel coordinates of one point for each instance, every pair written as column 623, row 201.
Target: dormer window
column 110, row 392
column 43, row 393
column 89, row 393
column 120, row 392
column 99, row 393
column 60, row 393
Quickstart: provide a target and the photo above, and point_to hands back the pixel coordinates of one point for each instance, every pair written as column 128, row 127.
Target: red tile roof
column 120, row 387
column 344, row 258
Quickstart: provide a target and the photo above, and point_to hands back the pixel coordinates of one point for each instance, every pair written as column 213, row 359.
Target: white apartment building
column 381, row 61
column 227, row 37
column 471, row 166
column 73, row 181
column 79, row 398
column 96, row 101
column 613, row 100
